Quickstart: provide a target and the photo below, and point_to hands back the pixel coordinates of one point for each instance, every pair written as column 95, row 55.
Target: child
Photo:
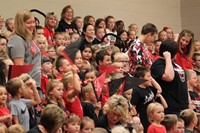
column 155, row 54
column 170, row 123
column 90, row 106
column 119, row 129
column 74, row 37
column 54, row 93
column 17, row 128
column 144, row 94
column 72, row 124
column 99, row 32
column 90, row 75
column 59, row 50
column 128, row 95
column 120, row 67
column 46, row 68
column 197, row 127
column 42, row 44
column 79, row 23
column 62, row 66
column 66, row 40
column 51, row 53
column 196, row 63
column 196, row 45
column 5, row 116
column 3, row 128
column 95, row 50
column 180, row 126
column 103, row 58
column 87, row 125
column 190, row 120
column 86, row 52
column 71, row 82
column 58, row 39
column 99, row 130
column 162, row 35
column 18, row 106
column 85, row 65
column 155, row 113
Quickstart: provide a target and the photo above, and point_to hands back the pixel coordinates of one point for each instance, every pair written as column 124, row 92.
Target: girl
column 155, row 113
column 54, row 93
column 90, row 75
column 86, row 52
column 79, row 23
column 100, row 22
column 89, row 20
column 110, row 28
column 5, row 116
column 42, row 44
column 51, row 53
column 72, row 124
column 162, row 35
column 87, row 125
column 78, row 59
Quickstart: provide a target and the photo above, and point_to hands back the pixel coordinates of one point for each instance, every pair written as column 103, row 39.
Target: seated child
column 170, row 123
column 72, row 124
column 87, row 125
column 103, row 58
column 180, row 126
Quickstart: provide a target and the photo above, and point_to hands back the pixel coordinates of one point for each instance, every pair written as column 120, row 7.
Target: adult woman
column 51, row 23
column 66, row 24
column 23, row 48
column 115, row 111
column 171, row 78
column 100, row 22
column 185, row 49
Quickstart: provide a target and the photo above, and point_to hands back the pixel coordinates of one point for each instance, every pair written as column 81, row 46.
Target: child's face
column 132, row 35
column 88, row 127
column 157, row 46
column 78, row 60
column 158, row 114
column 180, row 127
column 147, row 77
column 100, row 33
column 47, row 67
column 106, row 61
column 59, row 40
column 91, row 21
column 193, row 80
column 85, row 66
column 95, row 53
column 66, row 67
column 11, row 25
column 57, row 91
column 87, row 54
column 90, row 76
column 73, row 127
column 66, row 42
column 3, row 44
column 52, row 53
column 79, row 23
column 42, row 45
column 124, row 36
column 128, row 95
column 120, row 68
column 197, row 62
column 74, row 37
column 163, row 35
column 136, row 120
column 3, row 95
column 111, row 23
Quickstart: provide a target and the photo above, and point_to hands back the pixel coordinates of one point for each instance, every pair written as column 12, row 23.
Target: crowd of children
column 78, row 83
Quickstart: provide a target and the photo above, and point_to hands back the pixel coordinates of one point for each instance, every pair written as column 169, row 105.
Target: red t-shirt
column 184, row 61
column 3, row 112
column 44, row 82
column 49, row 35
column 156, row 129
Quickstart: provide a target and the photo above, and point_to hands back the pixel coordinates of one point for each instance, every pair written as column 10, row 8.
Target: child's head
column 170, row 122
column 180, row 126
column 196, row 60
column 62, row 65
column 162, row 35
column 15, row 86
column 86, row 52
column 54, row 91
column 10, row 24
column 42, row 42
column 99, row 32
column 72, row 124
column 58, row 38
column 196, row 45
column 52, row 118
column 46, row 65
column 157, row 44
column 119, row 129
column 17, row 128
column 3, row 95
column 85, row 65
column 88, row 93
column 90, row 74
column 103, row 58
column 191, row 78
column 143, row 73
column 132, row 34
column 87, row 125
column 189, row 117
column 120, row 67
column 155, row 112
column 51, row 52
column 122, row 57
column 123, row 34
column 95, row 50
column 79, row 22
column 67, row 80
column 66, row 40
column 59, row 50
column 128, row 94
column 78, row 59
column 3, row 128
column 136, row 120
column 74, row 37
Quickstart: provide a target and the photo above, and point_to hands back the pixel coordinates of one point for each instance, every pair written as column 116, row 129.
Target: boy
column 170, row 123
column 99, row 32
column 196, row 63
column 18, row 106
column 180, row 126
column 103, row 58
column 190, row 119
column 144, row 94
column 155, row 54
column 62, row 66
column 58, row 39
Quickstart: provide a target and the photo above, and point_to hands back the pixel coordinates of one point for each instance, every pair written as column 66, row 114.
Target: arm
column 36, row 99
column 169, row 71
column 18, row 61
column 97, row 108
column 163, row 101
column 5, row 118
column 156, row 85
column 15, row 119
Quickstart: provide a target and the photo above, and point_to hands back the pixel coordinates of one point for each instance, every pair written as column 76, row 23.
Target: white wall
column 160, row 12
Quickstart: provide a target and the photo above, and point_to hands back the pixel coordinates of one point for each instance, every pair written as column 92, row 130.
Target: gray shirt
column 18, row 47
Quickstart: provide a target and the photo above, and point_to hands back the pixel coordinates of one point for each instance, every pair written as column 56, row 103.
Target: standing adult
column 171, row 78
column 22, row 47
column 185, row 49
column 51, row 23
column 66, row 24
column 138, row 52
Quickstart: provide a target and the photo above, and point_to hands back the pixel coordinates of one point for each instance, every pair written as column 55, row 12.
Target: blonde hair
column 17, row 128
column 66, row 35
column 85, row 120
column 137, row 128
column 20, row 28
column 4, row 127
column 99, row 130
column 189, row 73
column 72, row 118
column 86, row 89
column 59, row 49
column 67, row 78
column 42, row 38
column 187, row 115
column 50, row 86
column 169, row 121
column 49, row 14
column 151, row 109
column 117, row 104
